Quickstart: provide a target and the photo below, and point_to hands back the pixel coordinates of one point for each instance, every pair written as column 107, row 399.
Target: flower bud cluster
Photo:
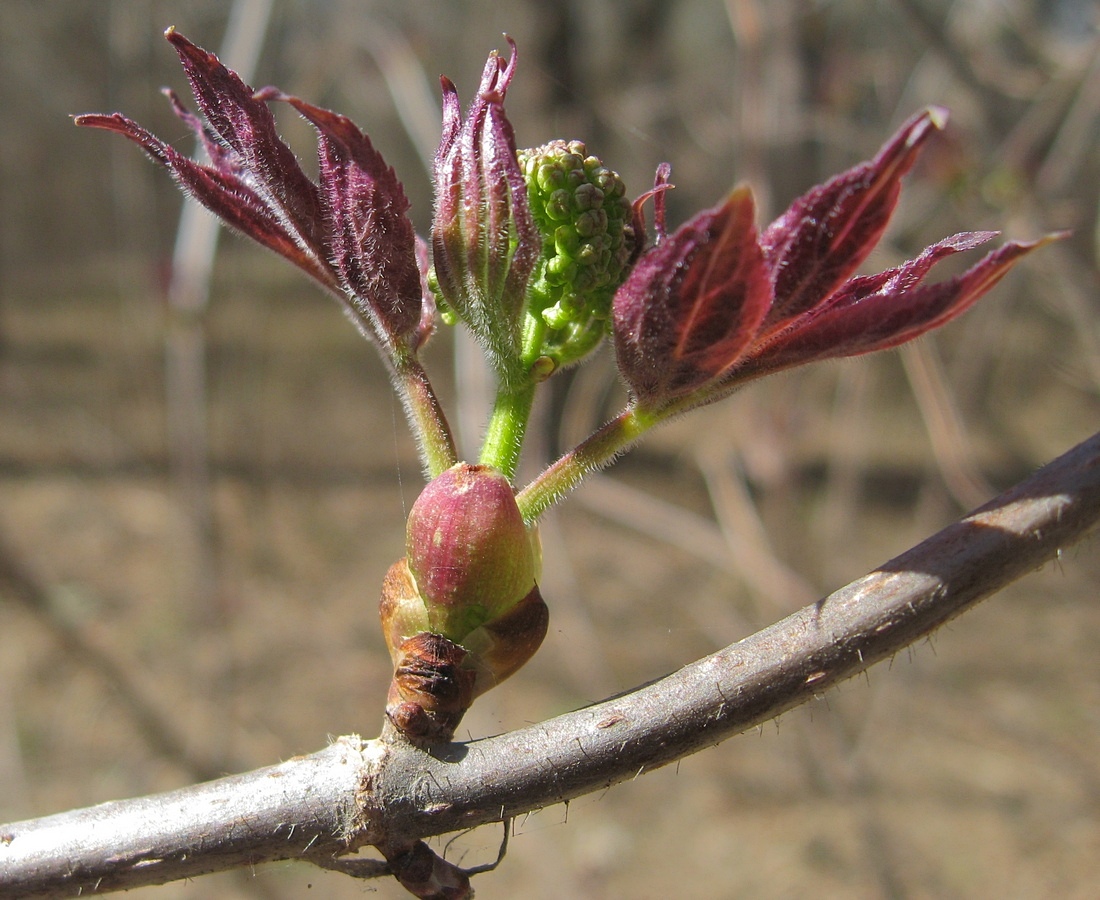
column 588, row 242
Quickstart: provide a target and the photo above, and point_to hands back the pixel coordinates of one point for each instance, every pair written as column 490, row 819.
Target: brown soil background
column 968, row 767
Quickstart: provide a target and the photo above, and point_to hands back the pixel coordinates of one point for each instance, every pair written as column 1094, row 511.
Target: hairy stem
column 425, row 415
column 507, row 427
column 594, row 452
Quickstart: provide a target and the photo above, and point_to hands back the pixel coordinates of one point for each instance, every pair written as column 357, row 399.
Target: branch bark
column 386, row 793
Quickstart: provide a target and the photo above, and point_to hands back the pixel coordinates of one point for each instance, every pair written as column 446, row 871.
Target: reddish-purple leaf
column 792, row 338
column 692, row 304
column 245, row 125
column 484, row 239
column 826, row 233
column 877, row 312
column 712, row 306
column 899, row 279
column 372, row 241
column 351, row 233
column 222, row 157
column 223, row 192
column 901, row 317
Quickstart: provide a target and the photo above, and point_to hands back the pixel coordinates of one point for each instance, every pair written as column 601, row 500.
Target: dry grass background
column 161, row 653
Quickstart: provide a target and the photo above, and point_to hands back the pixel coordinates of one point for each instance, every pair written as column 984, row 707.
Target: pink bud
column 462, row 612
column 470, row 554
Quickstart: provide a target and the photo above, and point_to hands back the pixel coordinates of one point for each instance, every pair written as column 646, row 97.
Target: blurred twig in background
column 185, row 353
column 155, row 722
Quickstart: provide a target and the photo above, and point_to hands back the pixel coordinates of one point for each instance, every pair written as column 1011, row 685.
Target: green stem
column 425, row 415
column 512, row 407
column 534, row 331
column 593, row 453
column 507, row 427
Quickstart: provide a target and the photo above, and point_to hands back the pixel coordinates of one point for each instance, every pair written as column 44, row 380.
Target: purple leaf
column 795, row 338
column 372, row 243
column 712, row 306
column 351, row 233
column 826, row 233
column 692, row 304
column 220, row 189
column 877, row 312
column 246, row 126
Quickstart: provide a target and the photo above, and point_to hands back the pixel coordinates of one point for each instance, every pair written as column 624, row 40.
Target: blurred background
column 204, row 475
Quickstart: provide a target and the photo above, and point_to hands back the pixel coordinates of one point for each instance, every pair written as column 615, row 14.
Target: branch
column 281, row 812
column 387, row 793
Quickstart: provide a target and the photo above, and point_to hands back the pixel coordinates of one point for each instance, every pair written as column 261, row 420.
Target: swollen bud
column 588, row 243
column 462, row 611
column 469, row 551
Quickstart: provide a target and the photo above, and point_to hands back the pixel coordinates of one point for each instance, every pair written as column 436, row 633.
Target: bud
column 463, row 610
column 483, row 239
column 588, row 242
column 470, row 554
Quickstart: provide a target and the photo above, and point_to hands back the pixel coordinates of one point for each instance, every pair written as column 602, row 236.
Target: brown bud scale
column 430, row 691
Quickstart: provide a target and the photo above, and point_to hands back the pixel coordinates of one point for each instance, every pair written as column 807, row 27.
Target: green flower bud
column 581, row 209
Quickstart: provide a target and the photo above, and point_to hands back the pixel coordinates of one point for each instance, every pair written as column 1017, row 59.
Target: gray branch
column 388, row 794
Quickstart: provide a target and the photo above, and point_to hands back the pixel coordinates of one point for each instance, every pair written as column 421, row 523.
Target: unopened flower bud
column 588, row 243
